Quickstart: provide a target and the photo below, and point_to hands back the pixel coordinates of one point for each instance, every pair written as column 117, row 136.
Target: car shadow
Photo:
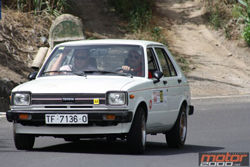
column 155, row 148
column 101, row 146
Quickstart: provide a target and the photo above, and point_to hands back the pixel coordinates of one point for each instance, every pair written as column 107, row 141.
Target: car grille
column 78, row 99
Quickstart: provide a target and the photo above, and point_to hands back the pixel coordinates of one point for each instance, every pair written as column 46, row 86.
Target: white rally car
column 109, row 97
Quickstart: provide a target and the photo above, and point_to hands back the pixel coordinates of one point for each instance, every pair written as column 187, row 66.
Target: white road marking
column 2, row 114
column 217, row 97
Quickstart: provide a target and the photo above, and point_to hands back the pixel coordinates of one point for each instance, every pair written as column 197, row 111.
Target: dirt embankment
column 21, row 35
column 217, row 66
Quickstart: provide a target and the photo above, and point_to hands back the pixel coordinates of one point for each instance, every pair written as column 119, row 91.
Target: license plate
column 66, row 118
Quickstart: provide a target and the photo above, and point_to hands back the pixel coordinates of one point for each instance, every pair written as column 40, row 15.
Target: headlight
column 117, row 98
column 21, row 99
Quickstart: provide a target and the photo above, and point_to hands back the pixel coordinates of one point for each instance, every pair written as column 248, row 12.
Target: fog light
column 109, row 117
column 25, row 116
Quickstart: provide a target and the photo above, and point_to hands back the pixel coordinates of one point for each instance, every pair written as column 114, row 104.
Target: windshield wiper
column 108, row 72
column 83, row 73
column 57, row 71
column 80, row 73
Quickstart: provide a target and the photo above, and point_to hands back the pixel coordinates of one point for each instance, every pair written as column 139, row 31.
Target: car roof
column 110, row 41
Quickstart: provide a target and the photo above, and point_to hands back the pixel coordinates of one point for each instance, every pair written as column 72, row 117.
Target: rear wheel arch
column 184, row 104
column 177, row 135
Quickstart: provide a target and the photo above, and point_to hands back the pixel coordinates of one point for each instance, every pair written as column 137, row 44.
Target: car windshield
column 122, row 60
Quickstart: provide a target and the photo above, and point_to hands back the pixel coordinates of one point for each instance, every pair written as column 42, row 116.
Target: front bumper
column 95, row 118
column 191, row 110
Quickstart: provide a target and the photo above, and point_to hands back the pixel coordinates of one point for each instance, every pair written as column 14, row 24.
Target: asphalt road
column 218, row 125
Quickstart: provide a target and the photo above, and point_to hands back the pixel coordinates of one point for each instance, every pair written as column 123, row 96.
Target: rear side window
column 166, row 64
column 152, row 63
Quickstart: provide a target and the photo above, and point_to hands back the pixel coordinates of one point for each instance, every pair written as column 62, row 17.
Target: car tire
column 111, row 139
column 24, row 141
column 136, row 138
column 177, row 135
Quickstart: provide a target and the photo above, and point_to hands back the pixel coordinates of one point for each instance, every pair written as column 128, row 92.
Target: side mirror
column 157, row 75
column 32, row 75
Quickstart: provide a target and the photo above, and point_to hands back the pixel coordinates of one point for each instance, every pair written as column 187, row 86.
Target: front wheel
column 24, row 141
column 137, row 135
column 177, row 135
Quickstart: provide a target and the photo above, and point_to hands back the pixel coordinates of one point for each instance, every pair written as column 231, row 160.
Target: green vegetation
column 217, row 14
column 139, row 15
column 245, row 15
column 222, row 13
column 245, row 11
column 52, row 7
column 246, row 34
column 137, row 12
column 182, row 61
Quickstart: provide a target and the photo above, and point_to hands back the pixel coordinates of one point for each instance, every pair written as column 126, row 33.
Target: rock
column 242, row 44
column 1, row 38
column 5, row 90
column 43, row 40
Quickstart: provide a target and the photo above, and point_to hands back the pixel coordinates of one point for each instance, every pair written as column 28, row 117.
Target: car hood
column 74, row 84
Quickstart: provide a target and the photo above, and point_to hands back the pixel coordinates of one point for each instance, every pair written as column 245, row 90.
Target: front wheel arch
column 144, row 106
column 136, row 138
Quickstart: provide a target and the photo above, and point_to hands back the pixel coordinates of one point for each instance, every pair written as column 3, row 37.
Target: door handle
column 165, row 82
column 179, row 80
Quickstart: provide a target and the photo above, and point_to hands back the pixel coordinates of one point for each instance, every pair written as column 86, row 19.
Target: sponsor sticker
column 96, row 101
column 224, row 159
column 150, row 104
column 158, row 96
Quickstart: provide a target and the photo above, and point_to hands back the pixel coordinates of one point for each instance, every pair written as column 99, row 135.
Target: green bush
column 245, row 12
column 215, row 13
column 137, row 12
column 246, row 34
column 53, row 7
column 245, row 16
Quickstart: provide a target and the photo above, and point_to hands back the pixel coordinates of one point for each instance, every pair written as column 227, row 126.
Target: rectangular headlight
column 116, row 98
column 21, row 99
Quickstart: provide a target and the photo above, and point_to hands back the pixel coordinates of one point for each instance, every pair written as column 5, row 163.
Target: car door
column 159, row 101
column 173, row 84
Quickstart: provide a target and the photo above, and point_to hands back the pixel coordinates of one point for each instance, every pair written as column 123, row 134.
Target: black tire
column 111, row 139
column 136, row 138
column 177, row 135
column 24, row 141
